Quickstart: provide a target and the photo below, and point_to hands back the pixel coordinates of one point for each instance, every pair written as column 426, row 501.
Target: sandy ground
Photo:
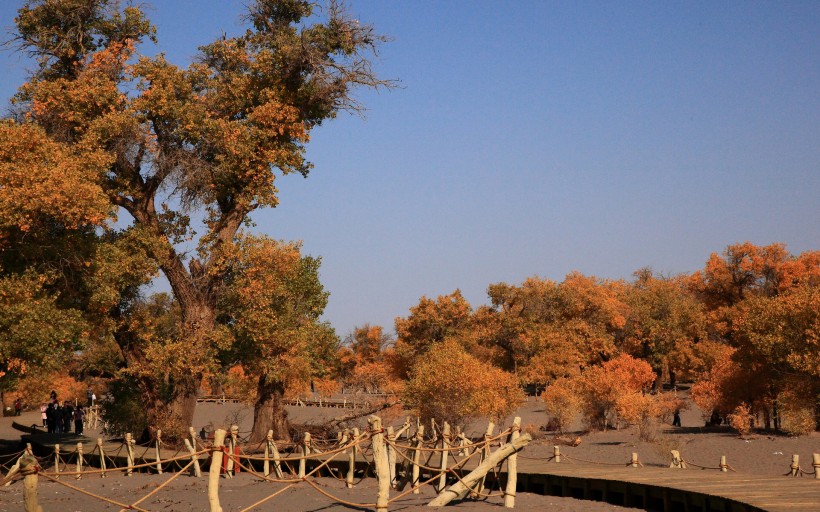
column 187, row 494
column 760, row 454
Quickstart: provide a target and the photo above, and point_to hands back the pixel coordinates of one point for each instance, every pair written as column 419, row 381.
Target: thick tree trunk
column 269, row 412
column 182, row 404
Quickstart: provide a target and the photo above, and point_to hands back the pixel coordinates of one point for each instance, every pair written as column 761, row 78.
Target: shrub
column 741, row 420
column 561, row 402
column 607, row 390
column 451, row 385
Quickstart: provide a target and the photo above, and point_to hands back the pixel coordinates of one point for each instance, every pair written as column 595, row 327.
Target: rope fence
column 366, row 452
column 400, row 467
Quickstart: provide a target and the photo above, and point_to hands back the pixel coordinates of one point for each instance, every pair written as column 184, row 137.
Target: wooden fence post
column 277, row 467
column 723, row 466
column 815, row 461
column 230, row 468
column 195, row 471
column 129, row 453
column 391, row 455
column 102, row 456
column 677, row 460
column 216, row 467
column 417, row 457
column 380, row 463
column 29, row 468
column 266, row 466
column 485, row 452
column 79, row 460
column 56, row 461
column 445, row 452
column 795, row 466
column 512, row 466
column 351, row 460
column 556, row 453
column 634, row 460
column 305, row 453
column 157, row 451
column 461, row 488
column 192, row 433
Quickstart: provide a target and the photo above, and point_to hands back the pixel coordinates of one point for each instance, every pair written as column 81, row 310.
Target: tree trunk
column 269, row 412
column 182, row 404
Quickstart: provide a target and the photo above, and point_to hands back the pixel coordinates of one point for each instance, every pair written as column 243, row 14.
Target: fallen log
column 460, row 489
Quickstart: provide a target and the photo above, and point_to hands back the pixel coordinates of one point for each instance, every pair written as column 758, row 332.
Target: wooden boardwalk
column 669, row 490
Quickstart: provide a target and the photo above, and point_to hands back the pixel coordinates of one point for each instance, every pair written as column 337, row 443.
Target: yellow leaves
column 40, row 179
column 452, row 385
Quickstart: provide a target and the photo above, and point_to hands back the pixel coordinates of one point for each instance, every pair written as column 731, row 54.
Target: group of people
column 57, row 416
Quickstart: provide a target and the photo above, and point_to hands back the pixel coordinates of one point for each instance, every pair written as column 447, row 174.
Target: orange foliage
column 606, row 387
column 326, row 388
column 451, row 385
column 562, row 403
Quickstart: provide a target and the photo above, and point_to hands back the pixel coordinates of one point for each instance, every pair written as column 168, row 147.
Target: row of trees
column 746, row 328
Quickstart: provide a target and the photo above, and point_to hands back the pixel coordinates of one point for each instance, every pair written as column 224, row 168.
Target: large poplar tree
column 119, row 131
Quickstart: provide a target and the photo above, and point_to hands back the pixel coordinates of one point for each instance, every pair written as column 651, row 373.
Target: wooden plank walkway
column 672, row 489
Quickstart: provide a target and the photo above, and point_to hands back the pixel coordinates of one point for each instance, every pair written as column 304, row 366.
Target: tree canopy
column 182, row 156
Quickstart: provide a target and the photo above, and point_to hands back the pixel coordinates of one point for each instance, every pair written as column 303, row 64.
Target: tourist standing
column 78, row 420
column 43, row 415
column 58, row 418
column 50, row 417
column 89, row 394
column 18, row 406
column 68, row 415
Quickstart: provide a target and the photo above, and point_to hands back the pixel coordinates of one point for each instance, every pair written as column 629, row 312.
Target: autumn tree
column 368, row 342
column 429, row 322
column 554, row 329
column 778, row 341
column 167, row 144
column 664, row 317
column 271, row 308
column 451, row 385
column 609, row 391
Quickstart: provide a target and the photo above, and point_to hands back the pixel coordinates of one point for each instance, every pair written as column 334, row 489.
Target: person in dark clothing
column 676, row 418
column 68, row 415
column 18, row 407
column 58, row 418
column 50, row 417
column 78, row 420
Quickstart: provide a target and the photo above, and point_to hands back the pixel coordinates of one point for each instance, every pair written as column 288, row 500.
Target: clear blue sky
column 537, row 138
